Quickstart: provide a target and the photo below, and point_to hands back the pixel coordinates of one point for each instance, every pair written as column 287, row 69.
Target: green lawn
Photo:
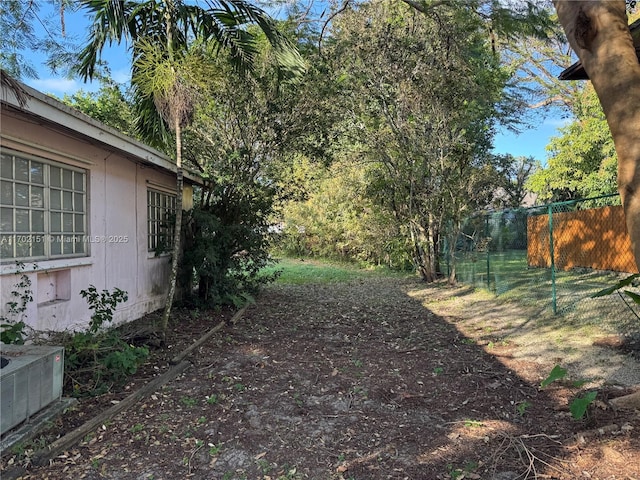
column 309, row 271
column 510, row 278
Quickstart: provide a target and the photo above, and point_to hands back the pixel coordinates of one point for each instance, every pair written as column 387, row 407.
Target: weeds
column 522, row 408
column 97, row 358
column 13, row 326
column 188, row 401
column 138, row 427
column 460, row 473
column 472, row 423
column 578, row 406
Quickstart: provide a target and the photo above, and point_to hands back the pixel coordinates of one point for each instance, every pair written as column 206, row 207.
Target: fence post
column 553, row 263
column 447, row 256
column 486, row 236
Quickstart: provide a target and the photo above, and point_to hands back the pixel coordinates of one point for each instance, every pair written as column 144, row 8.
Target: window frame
column 71, row 209
column 157, row 213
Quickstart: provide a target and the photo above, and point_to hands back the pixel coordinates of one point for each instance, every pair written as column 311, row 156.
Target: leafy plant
column 138, row 427
column 103, row 305
column 125, row 362
column 12, row 326
column 239, row 300
column 578, row 406
column 625, row 282
column 188, row 401
column 631, row 280
column 229, row 270
column 460, row 473
column 556, row 373
column 12, row 333
column 472, row 423
column 522, row 407
column 97, row 357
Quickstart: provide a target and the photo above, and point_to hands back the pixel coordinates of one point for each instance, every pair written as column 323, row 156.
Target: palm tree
column 164, row 37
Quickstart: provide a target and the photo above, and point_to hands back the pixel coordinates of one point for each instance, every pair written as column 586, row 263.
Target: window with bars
column 161, row 208
column 42, row 209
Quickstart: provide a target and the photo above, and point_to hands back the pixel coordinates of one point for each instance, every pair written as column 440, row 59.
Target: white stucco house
column 80, row 204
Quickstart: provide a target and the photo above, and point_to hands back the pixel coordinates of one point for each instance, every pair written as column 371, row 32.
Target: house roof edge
column 52, row 110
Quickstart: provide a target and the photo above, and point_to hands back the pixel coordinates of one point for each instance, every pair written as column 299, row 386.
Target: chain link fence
column 556, row 255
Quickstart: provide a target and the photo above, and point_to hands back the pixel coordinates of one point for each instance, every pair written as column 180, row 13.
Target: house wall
column 117, row 231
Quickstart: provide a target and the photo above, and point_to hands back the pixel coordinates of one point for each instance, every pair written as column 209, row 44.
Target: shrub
column 98, row 358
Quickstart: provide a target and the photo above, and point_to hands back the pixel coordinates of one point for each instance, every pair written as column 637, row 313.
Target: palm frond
column 8, row 82
column 221, row 23
column 112, row 22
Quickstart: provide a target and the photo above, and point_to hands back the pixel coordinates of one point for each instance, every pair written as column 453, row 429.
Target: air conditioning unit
column 30, row 379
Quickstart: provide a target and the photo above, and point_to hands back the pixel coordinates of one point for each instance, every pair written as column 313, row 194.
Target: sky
column 530, row 142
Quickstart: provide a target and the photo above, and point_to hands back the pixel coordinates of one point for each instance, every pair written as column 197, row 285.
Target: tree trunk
column 424, row 251
column 176, row 118
column 418, row 252
column 599, row 34
column 177, row 235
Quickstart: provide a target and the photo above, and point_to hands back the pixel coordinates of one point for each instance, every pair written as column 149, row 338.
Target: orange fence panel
column 595, row 238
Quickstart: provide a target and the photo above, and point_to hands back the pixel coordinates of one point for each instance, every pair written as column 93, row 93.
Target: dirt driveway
column 380, row 378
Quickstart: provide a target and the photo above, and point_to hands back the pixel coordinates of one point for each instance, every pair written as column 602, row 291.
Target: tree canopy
column 371, row 143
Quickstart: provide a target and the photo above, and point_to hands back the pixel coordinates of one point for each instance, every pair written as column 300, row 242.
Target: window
column 42, row 209
column 161, row 208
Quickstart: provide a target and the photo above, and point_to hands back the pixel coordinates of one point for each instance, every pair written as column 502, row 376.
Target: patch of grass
column 460, row 473
column 289, row 473
column 264, row 466
column 522, row 407
column 357, row 390
column 25, row 449
column 188, row 401
column 472, row 423
column 309, row 271
column 138, row 427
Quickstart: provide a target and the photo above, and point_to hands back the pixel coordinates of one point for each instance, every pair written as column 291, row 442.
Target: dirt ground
column 380, row 378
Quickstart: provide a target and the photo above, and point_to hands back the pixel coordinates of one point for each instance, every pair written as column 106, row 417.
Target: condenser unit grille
column 30, row 380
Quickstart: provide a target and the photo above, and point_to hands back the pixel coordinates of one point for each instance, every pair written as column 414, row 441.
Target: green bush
column 226, row 249
column 98, row 358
